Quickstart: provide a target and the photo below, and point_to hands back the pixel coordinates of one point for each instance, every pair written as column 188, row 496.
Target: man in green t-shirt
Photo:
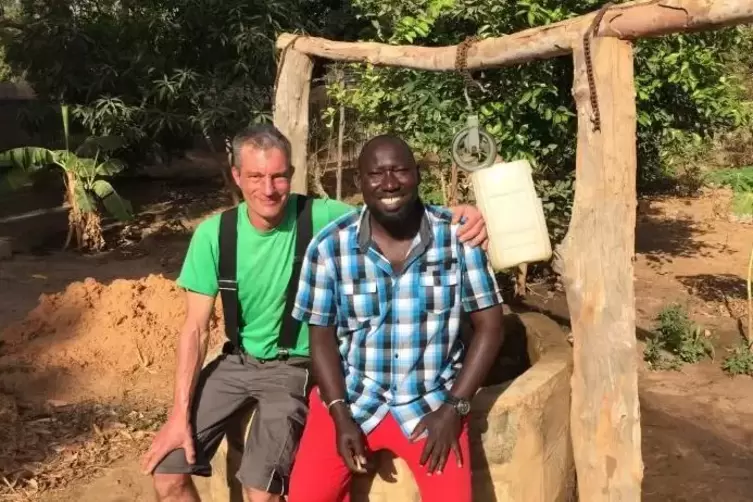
column 205, row 401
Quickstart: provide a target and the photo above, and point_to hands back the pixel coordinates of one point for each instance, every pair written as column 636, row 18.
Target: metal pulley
column 473, row 148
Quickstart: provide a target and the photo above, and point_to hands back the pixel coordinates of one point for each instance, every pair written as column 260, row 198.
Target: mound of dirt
column 94, row 341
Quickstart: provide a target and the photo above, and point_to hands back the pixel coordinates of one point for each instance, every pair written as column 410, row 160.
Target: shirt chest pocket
column 361, row 300
column 439, row 292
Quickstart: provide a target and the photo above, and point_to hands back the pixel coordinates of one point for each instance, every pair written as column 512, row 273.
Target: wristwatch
column 462, row 406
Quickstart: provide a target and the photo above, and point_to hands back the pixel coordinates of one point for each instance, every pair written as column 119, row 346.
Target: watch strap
column 450, row 399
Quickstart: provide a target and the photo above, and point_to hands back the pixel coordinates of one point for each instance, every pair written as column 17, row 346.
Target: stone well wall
column 520, row 434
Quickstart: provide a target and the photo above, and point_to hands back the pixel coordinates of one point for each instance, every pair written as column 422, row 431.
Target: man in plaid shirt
column 382, row 291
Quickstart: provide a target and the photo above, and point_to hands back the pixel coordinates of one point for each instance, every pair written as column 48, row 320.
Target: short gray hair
column 262, row 136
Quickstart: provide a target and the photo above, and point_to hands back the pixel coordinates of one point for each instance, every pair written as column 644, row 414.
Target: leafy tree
column 161, row 73
column 684, row 90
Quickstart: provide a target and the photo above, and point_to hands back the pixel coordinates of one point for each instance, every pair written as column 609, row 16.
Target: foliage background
column 169, row 74
column 690, row 91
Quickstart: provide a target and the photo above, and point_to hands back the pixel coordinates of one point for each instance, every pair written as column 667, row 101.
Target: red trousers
column 320, row 475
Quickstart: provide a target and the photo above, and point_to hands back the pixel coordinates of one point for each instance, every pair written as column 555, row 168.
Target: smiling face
column 263, row 176
column 389, row 179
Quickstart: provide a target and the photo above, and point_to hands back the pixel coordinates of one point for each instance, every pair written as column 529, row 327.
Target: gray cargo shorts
column 231, row 385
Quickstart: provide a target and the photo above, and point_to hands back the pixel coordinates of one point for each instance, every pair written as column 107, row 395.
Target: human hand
column 473, row 229
column 350, row 444
column 443, row 426
column 176, row 433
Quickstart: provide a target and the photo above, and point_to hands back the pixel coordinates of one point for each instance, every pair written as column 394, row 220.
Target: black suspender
column 289, row 327
column 228, row 247
column 227, row 272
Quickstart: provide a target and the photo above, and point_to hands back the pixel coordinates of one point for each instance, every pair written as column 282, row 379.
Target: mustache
column 391, row 195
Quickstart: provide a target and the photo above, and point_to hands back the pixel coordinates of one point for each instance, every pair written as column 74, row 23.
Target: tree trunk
column 229, row 185
column 749, row 335
column 91, row 223
column 291, row 114
column 597, row 268
column 319, row 169
column 340, row 139
column 453, row 196
column 75, row 222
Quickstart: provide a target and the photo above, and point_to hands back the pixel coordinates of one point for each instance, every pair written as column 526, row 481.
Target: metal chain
column 461, row 59
column 461, row 66
column 587, row 36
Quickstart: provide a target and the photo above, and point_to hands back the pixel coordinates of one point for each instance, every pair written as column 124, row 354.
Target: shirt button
column 397, row 355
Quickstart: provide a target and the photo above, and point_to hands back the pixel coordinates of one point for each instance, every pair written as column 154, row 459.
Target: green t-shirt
column 264, row 266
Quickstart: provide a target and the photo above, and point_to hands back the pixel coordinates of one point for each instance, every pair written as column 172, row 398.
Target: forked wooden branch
column 640, row 19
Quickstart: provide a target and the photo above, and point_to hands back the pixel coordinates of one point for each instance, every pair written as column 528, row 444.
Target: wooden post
column 291, row 113
column 596, row 262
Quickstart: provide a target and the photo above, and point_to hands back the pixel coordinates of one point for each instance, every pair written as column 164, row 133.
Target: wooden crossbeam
column 639, row 19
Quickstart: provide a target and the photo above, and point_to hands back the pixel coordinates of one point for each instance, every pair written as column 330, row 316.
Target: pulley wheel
column 473, row 161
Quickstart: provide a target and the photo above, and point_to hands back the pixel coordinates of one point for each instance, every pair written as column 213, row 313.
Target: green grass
column 676, row 340
column 739, row 361
column 740, row 180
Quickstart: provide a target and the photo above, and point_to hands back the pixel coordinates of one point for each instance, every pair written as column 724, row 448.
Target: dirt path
column 110, row 340
column 697, row 424
column 697, row 436
column 687, row 251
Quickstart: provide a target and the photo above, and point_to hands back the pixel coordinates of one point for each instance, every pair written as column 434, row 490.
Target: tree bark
column 639, row 19
column 340, row 140
column 749, row 335
column 229, row 185
column 74, row 213
column 453, row 196
column 291, row 114
column 596, row 262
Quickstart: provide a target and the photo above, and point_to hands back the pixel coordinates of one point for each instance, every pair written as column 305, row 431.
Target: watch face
column 463, row 407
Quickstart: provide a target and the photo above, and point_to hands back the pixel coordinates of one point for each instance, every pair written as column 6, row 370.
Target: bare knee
column 254, row 495
column 175, row 488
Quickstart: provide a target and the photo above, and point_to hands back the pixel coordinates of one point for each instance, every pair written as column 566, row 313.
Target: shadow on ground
column 685, row 462
column 727, row 290
column 719, row 288
column 659, row 237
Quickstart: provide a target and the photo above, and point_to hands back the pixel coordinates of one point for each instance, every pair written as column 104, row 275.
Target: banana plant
column 84, row 170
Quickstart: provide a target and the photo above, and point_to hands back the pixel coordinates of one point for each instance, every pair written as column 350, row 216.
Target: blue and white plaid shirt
column 398, row 333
